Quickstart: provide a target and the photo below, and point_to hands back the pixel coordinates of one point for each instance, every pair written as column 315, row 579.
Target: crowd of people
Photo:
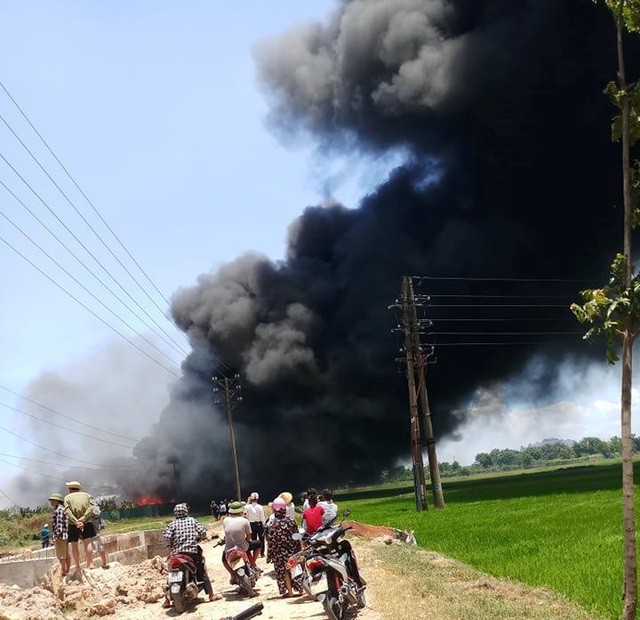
column 247, row 526
column 75, row 518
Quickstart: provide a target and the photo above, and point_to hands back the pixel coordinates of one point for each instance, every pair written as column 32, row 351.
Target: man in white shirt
column 330, row 509
column 255, row 514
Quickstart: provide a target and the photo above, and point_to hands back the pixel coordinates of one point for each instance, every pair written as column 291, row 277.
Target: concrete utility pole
column 416, row 360
column 230, row 399
column 429, row 438
column 416, row 445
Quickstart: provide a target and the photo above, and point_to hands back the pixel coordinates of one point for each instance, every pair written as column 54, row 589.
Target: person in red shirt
column 312, row 516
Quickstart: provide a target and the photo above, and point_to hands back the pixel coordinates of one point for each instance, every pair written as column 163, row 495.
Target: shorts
column 88, row 531
column 62, row 548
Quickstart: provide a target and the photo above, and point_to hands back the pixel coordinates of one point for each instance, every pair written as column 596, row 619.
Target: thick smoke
column 509, row 172
column 98, row 407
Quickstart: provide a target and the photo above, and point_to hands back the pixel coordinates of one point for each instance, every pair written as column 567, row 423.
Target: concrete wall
column 26, row 570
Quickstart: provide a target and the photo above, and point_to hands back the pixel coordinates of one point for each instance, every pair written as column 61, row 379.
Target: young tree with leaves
column 614, row 311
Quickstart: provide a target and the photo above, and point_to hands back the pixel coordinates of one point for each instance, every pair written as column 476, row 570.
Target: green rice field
column 560, row 529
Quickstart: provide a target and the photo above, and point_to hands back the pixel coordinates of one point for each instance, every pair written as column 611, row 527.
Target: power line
column 107, row 308
column 31, row 471
column 15, row 103
column 66, row 428
column 26, row 458
column 499, row 306
column 102, row 430
column 503, row 296
column 471, row 319
column 502, row 279
column 88, row 309
column 490, row 344
column 97, row 212
column 77, row 258
column 10, row 500
column 75, row 208
column 37, row 445
column 84, row 247
column 505, row 333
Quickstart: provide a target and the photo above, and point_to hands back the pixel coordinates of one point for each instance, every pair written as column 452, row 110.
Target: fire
column 149, row 500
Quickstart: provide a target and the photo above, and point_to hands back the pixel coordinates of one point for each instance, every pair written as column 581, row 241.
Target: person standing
column 98, row 524
column 257, row 519
column 288, row 500
column 77, row 507
column 44, row 536
column 282, row 545
column 59, row 531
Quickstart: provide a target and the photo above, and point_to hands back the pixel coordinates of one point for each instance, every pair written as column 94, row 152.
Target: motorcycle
column 246, row 575
column 183, row 581
column 330, row 556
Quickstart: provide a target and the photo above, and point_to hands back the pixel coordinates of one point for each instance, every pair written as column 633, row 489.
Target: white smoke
column 584, row 402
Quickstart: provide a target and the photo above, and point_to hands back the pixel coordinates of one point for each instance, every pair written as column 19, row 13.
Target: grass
column 453, row 591
column 559, row 529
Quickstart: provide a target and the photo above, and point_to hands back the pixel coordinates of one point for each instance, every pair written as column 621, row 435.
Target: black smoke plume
column 509, row 171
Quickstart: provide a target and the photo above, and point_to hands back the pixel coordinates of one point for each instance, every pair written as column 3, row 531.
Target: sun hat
column 236, row 508
column 286, row 496
column 57, row 496
column 74, row 484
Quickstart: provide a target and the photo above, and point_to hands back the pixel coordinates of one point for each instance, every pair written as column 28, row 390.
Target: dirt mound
column 97, row 592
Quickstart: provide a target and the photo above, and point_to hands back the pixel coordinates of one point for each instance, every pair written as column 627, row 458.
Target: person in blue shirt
column 45, row 536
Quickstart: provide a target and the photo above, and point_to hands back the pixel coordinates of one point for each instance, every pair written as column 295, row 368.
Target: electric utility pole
column 416, row 359
column 419, row 484
column 422, row 359
column 229, row 398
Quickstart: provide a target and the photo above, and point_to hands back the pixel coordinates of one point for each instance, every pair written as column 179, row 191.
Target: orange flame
column 149, row 500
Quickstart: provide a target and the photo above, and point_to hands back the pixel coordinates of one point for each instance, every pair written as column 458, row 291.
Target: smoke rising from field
column 509, row 169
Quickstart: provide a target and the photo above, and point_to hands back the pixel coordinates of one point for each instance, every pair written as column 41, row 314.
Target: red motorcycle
column 184, row 581
column 246, row 575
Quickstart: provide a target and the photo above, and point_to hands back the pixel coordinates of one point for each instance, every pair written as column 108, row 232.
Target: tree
column 484, row 460
column 614, row 311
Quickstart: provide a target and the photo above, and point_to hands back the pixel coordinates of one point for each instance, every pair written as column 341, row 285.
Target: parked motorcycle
column 246, row 575
column 329, row 556
column 183, row 581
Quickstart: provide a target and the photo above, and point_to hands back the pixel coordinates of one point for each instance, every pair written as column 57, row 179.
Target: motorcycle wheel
column 245, row 584
column 361, row 598
column 333, row 608
column 179, row 602
column 306, row 585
